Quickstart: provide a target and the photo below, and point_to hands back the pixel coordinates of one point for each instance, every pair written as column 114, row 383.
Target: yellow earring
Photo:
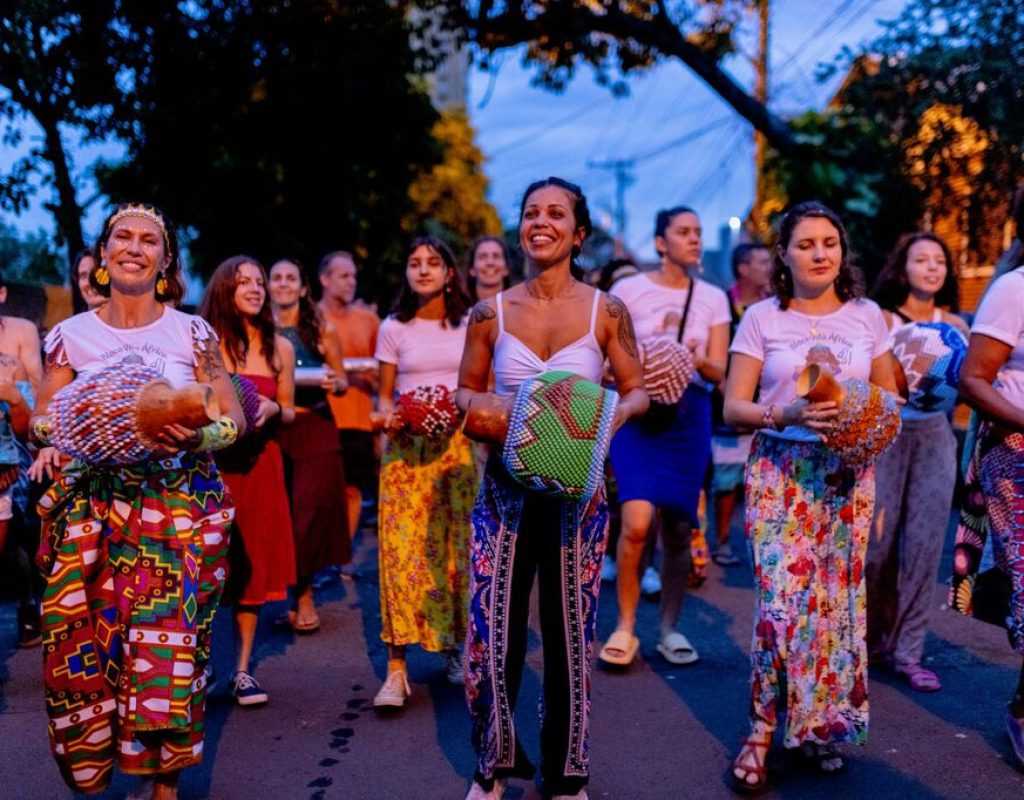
column 101, row 275
column 161, row 284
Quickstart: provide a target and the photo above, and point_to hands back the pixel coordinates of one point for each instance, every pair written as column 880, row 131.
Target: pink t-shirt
column 426, row 352
column 1001, row 316
column 86, row 343
column 849, row 339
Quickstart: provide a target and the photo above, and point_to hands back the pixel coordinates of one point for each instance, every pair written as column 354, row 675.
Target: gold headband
column 144, row 212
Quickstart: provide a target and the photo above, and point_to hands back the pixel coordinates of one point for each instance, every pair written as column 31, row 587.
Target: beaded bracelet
column 768, row 419
column 42, row 430
column 217, row 435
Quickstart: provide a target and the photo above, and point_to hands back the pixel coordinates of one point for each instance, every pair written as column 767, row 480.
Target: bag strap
column 686, row 309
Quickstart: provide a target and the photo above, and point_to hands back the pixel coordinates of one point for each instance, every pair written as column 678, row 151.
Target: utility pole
column 622, row 170
column 757, row 224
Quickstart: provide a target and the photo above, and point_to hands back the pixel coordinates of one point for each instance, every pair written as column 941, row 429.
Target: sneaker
column 246, row 691
column 453, row 667
column 29, row 630
column 650, row 583
column 395, row 691
column 609, row 569
column 478, row 792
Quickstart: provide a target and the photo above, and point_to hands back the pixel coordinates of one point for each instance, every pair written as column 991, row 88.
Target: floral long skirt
column 427, row 488
column 808, row 521
column 135, row 561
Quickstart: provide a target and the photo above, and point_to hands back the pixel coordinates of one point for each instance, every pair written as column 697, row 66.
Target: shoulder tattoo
column 481, row 312
column 617, row 310
column 210, row 361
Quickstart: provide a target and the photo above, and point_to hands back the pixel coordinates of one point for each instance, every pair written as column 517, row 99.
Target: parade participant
column 262, row 548
column 487, row 267
column 916, row 477
column 357, row 328
column 664, row 467
column 517, row 533
column 808, row 514
column 313, row 465
column 148, row 583
column 992, row 382
column 752, row 271
column 427, row 483
column 83, row 296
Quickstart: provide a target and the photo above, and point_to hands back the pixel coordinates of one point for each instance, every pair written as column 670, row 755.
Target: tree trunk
column 66, row 211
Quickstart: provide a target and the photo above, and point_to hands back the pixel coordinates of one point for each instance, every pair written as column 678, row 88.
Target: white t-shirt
column 658, row 310
column 427, row 353
column 854, row 335
column 169, row 345
column 1001, row 316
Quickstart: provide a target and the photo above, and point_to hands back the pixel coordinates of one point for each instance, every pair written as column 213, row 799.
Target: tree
column 28, row 259
column 278, row 129
column 451, row 198
column 55, row 72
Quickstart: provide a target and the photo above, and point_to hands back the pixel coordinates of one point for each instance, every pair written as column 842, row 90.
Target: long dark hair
column 456, row 300
column 218, row 308
column 175, row 285
column 892, row 287
column 310, row 327
column 848, row 283
column 78, row 303
column 580, row 213
column 471, row 259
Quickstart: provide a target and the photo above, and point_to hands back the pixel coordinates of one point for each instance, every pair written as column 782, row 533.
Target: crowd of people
column 324, row 408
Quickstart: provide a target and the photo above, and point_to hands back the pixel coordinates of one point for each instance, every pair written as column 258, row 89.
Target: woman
column 992, row 382
column 808, row 515
column 83, row 296
column 313, row 465
column 664, row 468
column 426, row 483
column 517, row 533
column 262, row 551
column 144, row 707
column 916, row 476
column 488, row 267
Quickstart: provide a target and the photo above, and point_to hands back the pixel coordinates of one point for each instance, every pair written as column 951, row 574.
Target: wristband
column 768, row 419
column 217, row 435
column 42, row 430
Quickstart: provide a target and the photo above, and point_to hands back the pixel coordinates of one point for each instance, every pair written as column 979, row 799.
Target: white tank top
column 514, row 362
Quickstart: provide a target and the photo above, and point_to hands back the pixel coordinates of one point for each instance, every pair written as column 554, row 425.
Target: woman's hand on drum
column 268, row 409
column 333, row 383
column 389, row 421
column 47, row 464
column 176, row 437
column 817, row 417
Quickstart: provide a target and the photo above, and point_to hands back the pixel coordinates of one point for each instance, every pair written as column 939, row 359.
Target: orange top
column 357, row 327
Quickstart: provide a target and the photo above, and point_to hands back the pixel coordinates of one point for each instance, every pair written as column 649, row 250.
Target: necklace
column 564, row 293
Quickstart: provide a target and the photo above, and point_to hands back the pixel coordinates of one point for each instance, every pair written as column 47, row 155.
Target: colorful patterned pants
column 135, row 562
column 807, row 519
column 518, row 535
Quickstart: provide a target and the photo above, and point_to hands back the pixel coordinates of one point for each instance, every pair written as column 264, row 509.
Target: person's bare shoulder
column 957, row 322
column 24, row 329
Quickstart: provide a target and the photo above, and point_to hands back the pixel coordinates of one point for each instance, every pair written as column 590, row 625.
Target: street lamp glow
column 735, row 223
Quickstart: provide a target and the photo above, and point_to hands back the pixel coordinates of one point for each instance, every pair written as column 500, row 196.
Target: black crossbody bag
column 659, row 416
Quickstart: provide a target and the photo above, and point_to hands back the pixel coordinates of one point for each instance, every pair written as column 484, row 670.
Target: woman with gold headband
column 134, row 556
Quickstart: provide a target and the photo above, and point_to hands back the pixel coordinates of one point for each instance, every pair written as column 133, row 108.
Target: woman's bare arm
column 985, row 357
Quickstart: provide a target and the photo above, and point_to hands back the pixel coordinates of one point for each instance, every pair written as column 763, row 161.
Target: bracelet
column 217, row 435
column 768, row 419
column 42, row 429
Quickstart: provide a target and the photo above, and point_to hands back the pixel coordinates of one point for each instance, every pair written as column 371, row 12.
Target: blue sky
column 527, row 132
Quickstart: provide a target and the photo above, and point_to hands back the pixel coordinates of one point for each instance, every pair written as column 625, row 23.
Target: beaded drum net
column 868, row 422
column 931, row 354
column 248, row 398
column 668, row 369
column 428, row 411
column 94, row 416
column 558, row 434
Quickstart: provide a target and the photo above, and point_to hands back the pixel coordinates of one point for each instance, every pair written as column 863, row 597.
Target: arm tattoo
column 627, row 336
column 481, row 312
column 210, row 361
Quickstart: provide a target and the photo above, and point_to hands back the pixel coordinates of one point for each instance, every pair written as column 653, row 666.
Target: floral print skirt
column 427, row 489
column 808, row 520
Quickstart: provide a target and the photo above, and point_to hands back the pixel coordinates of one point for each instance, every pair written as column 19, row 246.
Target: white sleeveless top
column 514, row 362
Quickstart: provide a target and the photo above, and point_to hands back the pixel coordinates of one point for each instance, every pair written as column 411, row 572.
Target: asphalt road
column 658, row 731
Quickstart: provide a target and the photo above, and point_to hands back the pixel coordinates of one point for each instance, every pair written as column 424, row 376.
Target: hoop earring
column 101, row 274
column 161, row 285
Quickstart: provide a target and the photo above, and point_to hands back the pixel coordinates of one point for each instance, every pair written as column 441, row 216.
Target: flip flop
column 725, row 557
column 676, row 649
column 920, row 678
column 310, row 624
column 620, row 649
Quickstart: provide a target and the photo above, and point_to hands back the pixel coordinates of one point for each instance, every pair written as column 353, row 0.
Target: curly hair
column 311, row 321
column 175, row 285
column 892, row 287
column 219, row 309
column 456, row 300
column 580, row 213
column 848, row 283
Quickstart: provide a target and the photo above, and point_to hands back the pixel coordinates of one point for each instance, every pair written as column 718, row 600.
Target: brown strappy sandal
column 759, row 770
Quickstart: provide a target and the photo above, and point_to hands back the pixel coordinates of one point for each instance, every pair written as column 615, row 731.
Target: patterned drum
column 111, row 417
column 668, row 368
column 428, row 411
column 248, row 398
column 559, row 430
column 931, row 354
column 869, row 418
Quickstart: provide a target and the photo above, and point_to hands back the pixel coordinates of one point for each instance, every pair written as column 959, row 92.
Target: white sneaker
column 650, row 583
column 609, row 569
column 453, row 667
column 580, row 795
column 394, row 692
column 478, row 792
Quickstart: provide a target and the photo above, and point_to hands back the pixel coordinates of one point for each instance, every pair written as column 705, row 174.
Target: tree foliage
column 28, row 258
